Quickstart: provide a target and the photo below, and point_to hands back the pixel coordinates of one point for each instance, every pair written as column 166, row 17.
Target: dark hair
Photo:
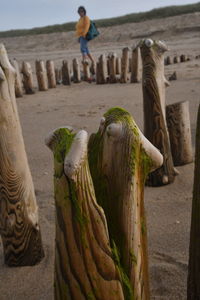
column 82, row 8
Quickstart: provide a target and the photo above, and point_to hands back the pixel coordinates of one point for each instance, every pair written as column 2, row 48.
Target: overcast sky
column 18, row 14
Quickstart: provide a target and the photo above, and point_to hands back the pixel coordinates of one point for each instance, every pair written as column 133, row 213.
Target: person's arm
column 86, row 25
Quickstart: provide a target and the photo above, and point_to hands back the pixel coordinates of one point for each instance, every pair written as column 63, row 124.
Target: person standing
column 82, row 28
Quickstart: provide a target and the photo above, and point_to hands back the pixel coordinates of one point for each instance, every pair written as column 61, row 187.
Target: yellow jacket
column 83, row 26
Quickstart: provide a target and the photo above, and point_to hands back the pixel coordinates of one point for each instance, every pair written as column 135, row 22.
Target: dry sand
column 81, row 105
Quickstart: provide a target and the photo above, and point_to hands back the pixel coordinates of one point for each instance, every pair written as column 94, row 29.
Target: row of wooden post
column 104, row 244
column 176, row 59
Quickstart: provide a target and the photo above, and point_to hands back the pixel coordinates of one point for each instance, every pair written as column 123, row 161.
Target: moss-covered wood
column 19, row 228
column 193, row 288
column 84, row 263
column 155, row 128
column 120, row 159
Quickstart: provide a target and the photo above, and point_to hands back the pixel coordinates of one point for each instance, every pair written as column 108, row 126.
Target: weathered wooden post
column 84, row 264
column 41, row 74
column 176, row 59
column 51, row 74
column 19, row 227
column 58, row 73
column 112, row 68
column 124, row 62
column 118, row 65
column 168, row 60
column 18, row 79
column 193, row 287
column 135, row 65
column 27, row 78
column 155, row 128
column 178, row 122
column 120, row 158
column 183, row 58
column 66, row 74
column 76, row 71
column 103, row 71
column 86, row 71
column 98, row 73
column 104, row 263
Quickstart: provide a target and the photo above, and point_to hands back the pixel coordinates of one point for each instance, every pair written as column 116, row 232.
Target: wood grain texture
column 51, row 74
column 178, row 122
column 41, row 74
column 19, row 227
column 66, row 73
column 124, row 65
column 27, row 78
column 136, row 65
column 112, row 67
column 76, row 71
column 18, row 80
column 84, row 265
column 119, row 165
column 193, row 287
column 155, row 128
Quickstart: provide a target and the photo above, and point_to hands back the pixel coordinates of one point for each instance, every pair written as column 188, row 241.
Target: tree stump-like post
column 76, row 71
column 155, row 128
column 18, row 80
column 183, row 58
column 135, row 65
column 27, row 78
column 66, row 74
column 41, row 74
column 176, row 59
column 193, row 287
column 58, row 73
column 85, row 267
column 124, row 63
column 19, row 227
column 178, row 122
column 112, row 68
column 118, row 65
column 120, row 158
column 168, row 60
column 103, row 69
column 51, row 74
column 98, row 73
column 86, row 71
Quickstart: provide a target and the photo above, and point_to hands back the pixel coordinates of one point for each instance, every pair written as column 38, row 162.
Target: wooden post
column 135, row 65
column 168, row 60
column 27, row 78
column 125, row 61
column 86, row 71
column 183, row 58
column 130, row 64
column 103, row 71
column 155, row 128
column 66, row 76
column 176, row 59
column 98, row 73
column 76, row 71
column 18, row 80
column 112, row 68
column 178, row 121
column 193, row 287
column 19, row 227
column 41, row 74
column 58, row 74
column 118, row 65
column 51, row 74
column 85, row 267
column 120, row 158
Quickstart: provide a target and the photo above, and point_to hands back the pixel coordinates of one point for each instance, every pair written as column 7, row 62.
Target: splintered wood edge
column 76, row 154
column 4, row 60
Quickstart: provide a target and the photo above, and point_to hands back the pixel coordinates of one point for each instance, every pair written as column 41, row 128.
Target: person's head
column 81, row 11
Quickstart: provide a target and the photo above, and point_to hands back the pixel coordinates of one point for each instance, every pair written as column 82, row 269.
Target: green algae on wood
column 119, row 165
column 84, row 265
